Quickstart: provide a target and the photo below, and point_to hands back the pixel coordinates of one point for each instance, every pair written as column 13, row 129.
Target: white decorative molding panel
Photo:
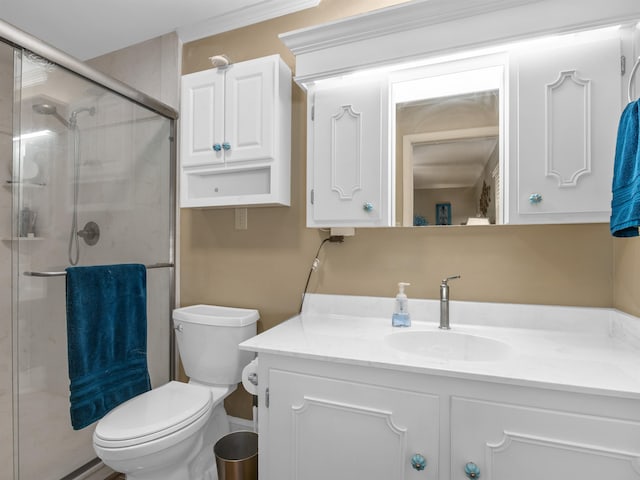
column 533, row 457
column 346, row 152
column 318, row 423
column 568, row 133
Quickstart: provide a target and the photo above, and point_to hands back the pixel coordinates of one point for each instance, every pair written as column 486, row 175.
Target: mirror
column 448, row 143
column 478, row 135
column 448, row 150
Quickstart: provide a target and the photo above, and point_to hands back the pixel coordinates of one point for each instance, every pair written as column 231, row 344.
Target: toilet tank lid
column 217, row 316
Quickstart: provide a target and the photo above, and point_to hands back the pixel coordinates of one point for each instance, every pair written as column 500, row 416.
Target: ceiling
column 451, row 141
column 86, row 29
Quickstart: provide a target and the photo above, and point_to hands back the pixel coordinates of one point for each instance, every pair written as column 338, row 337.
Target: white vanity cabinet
column 344, row 428
column 322, row 419
column 564, row 112
column 528, row 443
column 348, row 169
column 324, row 428
column 235, row 135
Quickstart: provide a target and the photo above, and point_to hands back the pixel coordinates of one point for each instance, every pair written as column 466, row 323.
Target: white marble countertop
column 588, row 350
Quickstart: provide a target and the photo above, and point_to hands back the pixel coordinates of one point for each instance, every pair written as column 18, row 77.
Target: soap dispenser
column 401, row 316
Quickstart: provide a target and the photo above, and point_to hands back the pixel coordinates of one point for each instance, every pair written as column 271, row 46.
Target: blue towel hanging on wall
column 107, row 338
column 625, row 203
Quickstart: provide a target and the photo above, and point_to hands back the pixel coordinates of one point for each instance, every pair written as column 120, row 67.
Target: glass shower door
column 6, row 331
column 92, row 185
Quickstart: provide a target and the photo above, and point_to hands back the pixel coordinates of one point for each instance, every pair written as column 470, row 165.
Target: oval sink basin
column 448, row 345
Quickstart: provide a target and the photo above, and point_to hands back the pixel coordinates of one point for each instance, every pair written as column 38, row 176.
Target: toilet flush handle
column 178, row 328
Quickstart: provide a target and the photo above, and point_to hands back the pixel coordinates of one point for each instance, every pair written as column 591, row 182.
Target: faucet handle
column 444, row 282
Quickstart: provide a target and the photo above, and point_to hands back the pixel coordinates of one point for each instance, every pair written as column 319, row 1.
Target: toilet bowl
column 168, row 433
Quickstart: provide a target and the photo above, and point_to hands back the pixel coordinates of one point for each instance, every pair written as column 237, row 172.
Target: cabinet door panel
column 329, row 429
column 250, row 110
column 509, row 442
column 568, row 107
column 349, row 174
column 202, row 117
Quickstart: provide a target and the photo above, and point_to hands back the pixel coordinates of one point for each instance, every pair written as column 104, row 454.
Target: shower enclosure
column 87, row 174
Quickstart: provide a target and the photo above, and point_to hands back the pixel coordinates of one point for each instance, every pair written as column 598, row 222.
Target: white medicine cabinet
column 548, row 156
column 236, row 135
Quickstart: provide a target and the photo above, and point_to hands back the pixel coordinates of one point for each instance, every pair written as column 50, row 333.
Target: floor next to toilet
column 116, row 476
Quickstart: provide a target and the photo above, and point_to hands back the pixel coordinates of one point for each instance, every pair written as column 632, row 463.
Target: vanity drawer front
column 321, row 428
column 508, row 442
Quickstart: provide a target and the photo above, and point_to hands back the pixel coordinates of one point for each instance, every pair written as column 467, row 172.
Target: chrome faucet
column 444, row 302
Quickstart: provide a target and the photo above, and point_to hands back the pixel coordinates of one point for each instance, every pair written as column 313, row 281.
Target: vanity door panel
column 202, row 117
column 250, row 110
column 508, row 442
column 321, row 428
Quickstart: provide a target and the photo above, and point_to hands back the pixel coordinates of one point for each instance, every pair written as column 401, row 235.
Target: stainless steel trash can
column 237, row 456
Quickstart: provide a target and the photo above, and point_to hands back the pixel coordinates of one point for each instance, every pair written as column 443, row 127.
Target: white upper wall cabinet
column 235, row 135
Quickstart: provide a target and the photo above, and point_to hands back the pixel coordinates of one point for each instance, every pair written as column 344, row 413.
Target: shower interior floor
column 48, row 444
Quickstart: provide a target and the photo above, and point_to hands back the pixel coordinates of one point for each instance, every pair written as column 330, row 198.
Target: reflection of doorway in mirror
column 450, row 166
column 448, row 122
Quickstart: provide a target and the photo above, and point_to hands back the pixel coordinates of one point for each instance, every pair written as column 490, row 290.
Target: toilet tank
column 208, row 338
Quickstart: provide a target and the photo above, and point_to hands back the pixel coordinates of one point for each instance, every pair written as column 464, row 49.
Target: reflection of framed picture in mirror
column 443, row 213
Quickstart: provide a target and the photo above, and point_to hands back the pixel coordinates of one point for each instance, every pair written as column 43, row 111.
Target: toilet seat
column 152, row 415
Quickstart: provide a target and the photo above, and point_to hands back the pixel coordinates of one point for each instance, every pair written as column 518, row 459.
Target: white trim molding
column 257, row 12
column 426, row 28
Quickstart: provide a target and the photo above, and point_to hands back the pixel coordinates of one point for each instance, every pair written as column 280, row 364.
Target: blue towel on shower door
column 107, row 338
column 625, row 203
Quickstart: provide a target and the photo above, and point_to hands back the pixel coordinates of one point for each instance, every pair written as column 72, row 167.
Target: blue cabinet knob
column 535, row 198
column 226, row 146
column 471, row 470
column 418, row 462
column 217, row 147
column 368, row 207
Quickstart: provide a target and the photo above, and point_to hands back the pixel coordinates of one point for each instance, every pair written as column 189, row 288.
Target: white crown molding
column 422, row 28
column 398, row 18
column 258, row 12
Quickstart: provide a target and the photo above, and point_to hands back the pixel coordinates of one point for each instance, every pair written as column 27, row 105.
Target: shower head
column 45, row 109
column 49, row 109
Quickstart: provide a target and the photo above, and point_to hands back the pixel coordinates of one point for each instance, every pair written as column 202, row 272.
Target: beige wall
column 626, row 285
column 265, row 267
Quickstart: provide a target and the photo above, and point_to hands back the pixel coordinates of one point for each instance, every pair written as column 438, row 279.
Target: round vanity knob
column 217, row 147
column 418, row 462
column 535, row 198
column 226, row 146
column 471, row 470
column 368, row 207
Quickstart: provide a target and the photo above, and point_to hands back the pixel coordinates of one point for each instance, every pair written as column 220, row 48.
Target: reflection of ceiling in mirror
column 451, row 163
column 452, row 139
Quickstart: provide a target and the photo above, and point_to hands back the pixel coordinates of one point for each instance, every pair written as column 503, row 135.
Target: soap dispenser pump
column 401, row 316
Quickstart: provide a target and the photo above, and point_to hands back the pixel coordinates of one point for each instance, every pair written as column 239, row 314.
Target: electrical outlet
column 241, row 218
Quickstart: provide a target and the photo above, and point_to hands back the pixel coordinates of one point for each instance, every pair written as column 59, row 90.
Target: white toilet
column 168, row 433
